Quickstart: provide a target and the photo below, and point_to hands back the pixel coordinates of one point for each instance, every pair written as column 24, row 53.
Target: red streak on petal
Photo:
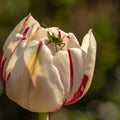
column 59, row 34
column 25, row 32
column 71, row 75
column 64, row 102
column 26, row 20
column 2, row 64
column 6, row 80
column 68, row 36
column 71, row 69
column 80, row 91
column 8, row 76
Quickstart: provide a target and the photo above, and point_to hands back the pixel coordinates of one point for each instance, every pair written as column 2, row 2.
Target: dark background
column 102, row 102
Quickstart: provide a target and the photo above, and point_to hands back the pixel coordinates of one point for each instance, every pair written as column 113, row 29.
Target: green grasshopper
column 57, row 41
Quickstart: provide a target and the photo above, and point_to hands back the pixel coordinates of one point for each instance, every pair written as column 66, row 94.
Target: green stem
column 44, row 116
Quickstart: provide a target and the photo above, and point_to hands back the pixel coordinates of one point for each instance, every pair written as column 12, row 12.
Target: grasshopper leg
column 63, row 44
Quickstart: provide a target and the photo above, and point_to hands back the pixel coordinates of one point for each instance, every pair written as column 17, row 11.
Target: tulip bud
column 44, row 69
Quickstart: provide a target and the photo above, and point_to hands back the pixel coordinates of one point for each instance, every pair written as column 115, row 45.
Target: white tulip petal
column 61, row 62
column 76, row 71
column 44, row 83
column 83, row 75
column 91, row 58
column 72, row 42
column 28, row 21
column 24, row 28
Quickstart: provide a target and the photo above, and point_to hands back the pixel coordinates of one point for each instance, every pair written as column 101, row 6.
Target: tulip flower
column 44, row 69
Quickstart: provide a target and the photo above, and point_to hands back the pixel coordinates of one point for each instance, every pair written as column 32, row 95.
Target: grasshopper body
column 55, row 40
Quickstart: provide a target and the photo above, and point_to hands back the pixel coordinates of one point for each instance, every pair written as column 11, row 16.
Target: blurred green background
column 102, row 102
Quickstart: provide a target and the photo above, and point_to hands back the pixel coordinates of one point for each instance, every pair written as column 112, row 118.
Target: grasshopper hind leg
column 63, row 44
